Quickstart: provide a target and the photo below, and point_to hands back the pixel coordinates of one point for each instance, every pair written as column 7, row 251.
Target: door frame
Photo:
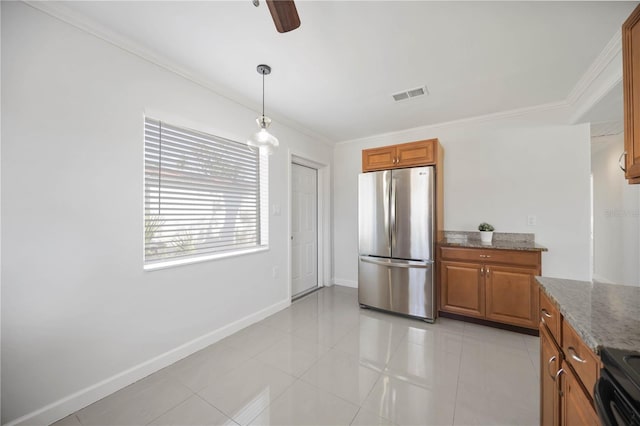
column 323, row 218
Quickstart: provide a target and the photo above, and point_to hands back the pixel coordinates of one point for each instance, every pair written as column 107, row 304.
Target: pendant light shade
column 263, row 140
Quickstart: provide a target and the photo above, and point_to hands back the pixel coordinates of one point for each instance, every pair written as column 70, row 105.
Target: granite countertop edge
column 496, row 245
column 585, row 335
column 590, row 313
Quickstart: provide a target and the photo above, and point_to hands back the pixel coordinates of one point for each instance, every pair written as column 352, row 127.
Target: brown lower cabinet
column 576, row 405
column 567, row 376
column 490, row 284
column 462, row 288
column 550, row 360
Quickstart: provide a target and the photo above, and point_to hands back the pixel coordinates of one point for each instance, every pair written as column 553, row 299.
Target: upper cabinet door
column 631, row 80
column 418, row 153
column 378, row 158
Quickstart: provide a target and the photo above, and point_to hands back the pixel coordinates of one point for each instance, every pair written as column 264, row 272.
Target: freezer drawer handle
column 424, row 265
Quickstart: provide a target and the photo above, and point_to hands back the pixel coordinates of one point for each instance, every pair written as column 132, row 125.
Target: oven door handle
column 602, row 397
column 606, row 401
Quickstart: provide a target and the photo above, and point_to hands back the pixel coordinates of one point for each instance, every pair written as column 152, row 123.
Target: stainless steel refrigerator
column 396, row 212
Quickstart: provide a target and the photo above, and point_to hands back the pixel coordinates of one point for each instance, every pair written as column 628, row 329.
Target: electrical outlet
column 274, row 272
column 532, row 220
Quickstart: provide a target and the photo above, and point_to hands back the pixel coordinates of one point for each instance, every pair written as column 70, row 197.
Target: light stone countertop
column 604, row 315
column 501, row 241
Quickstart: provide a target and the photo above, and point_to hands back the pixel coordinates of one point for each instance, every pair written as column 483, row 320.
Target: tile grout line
column 455, row 406
column 197, row 395
column 179, row 403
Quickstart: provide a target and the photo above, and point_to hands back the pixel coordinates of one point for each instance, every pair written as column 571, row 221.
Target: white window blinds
column 204, row 195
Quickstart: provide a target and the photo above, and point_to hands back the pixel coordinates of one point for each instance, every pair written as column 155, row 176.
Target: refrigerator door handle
column 393, row 214
column 389, row 216
column 395, row 264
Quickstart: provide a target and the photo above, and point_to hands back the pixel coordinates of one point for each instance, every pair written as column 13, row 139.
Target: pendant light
column 263, row 140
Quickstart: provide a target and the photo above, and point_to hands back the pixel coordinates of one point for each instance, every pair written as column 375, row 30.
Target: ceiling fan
column 284, row 14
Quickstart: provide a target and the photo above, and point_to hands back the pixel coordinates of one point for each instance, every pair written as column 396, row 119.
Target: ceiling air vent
column 411, row 93
column 400, row 96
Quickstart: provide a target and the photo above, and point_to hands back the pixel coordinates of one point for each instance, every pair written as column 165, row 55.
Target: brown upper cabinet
column 420, row 153
column 631, row 82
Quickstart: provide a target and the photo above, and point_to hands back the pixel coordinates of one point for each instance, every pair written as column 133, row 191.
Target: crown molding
column 477, row 119
column 604, row 58
column 596, row 96
column 58, row 11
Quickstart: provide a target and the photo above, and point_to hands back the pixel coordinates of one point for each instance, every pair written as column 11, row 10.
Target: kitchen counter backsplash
column 604, row 315
column 501, row 241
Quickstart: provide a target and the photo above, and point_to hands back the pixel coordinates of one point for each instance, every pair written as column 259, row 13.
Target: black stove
column 617, row 392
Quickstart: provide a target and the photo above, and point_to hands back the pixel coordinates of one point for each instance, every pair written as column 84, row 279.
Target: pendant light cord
column 263, row 93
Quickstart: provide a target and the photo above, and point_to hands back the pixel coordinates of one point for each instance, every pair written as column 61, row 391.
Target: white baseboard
column 346, row 283
column 601, row 279
column 74, row 402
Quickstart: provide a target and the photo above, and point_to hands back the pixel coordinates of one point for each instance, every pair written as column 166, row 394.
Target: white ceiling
column 334, row 76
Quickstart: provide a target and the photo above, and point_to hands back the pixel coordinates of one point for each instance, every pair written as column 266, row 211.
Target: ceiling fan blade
column 284, row 14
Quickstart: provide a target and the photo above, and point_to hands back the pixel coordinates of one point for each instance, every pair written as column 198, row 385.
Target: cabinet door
column 576, row 408
column 462, row 288
column 378, row 158
column 419, row 153
column 512, row 295
column 549, row 389
column 631, row 80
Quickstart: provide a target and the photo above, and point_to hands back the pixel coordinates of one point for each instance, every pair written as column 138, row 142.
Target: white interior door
column 304, row 229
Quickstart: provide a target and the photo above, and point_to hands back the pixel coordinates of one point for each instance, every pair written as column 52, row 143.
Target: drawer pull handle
column 485, row 256
column 545, row 313
column 574, row 355
column 553, row 358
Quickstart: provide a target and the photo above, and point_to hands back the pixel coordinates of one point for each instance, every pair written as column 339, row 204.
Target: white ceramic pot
column 486, row 236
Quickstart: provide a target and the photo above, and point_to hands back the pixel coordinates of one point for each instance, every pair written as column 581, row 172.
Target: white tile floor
column 325, row 361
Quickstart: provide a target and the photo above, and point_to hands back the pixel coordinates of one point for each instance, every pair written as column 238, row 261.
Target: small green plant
column 484, row 226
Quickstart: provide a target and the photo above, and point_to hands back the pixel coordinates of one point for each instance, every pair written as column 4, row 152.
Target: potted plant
column 486, row 232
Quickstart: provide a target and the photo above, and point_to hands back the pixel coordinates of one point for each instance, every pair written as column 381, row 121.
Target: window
column 205, row 196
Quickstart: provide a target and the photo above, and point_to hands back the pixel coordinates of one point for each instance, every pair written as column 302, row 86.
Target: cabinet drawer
column 511, row 257
column 550, row 317
column 580, row 357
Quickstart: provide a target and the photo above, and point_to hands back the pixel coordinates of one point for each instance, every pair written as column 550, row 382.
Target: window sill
column 199, row 259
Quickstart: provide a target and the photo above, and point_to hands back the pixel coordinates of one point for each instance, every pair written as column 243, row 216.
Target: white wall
column 616, row 215
column 499, row 172
column 77, row 307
